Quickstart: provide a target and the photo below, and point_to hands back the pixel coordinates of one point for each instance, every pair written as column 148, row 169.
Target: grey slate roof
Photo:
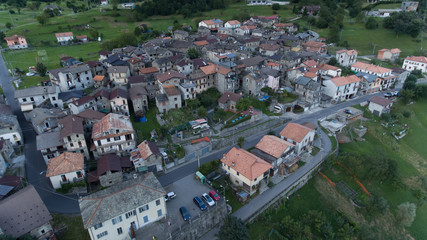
column 118, row 69
column 270, row 72
column 49, row 140
column 16, row 210
column 119, row 199
column 72, row 70
column 34, row 91
column 38, row 115
column 253, row 61
column 368, row 77
column 65, row 96
column 302, row 80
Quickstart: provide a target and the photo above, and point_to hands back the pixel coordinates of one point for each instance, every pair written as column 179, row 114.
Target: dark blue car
column 199, row 203
column 185, row 214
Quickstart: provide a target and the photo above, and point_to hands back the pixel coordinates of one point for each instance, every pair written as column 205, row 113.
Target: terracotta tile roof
column 109, row 123
column 134, row 60
column 201, row 43
column 314, row 44
column 311, row 63
column 146, row 149
column 213, row 68
column 341, row 81
column 172, row 90
column 349, row 52
column 23, row 212
column 310, row 75
column 269, row 47
column 99, row 78
column 273, row 145
column 233, row 22
column 274, row 64
column 370, row 67
column 229, row 96
column 295, row 131
column 72, row 124
column 148, row 70
column 395, row 50
column 380, row 101
column 326, row 67
column 246, row 163
column 13, row 37
column 417, row 59
column 91, row 114
column 65, row 34
column 64, row 163
column 169, row 75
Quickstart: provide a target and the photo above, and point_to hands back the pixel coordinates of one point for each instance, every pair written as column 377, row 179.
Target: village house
column 64, row 38
column 72, row 134
column 6, row 154
column 45, row 120
column 308, row 90
column 212, row 24
column 32, row 97
column 379, row 105
column 415, row 63
column 389, row 54
column 139, row 97
column 16, row 42
column 290, row 27
column 346, row 57
column 301, row 136
column 369, row 83
column 119, row 74
column 81, row 104
column 119, row 101
column 259, row 2
column 341, row 88
column 371, row 69
column 137, row 202
column 102, row 99
column 10, row 129
column 220, row 77
column 253, row 63
column 232, row 24
column 169, row 98
column 162, row 64
column 185, row 66
column 170, row 78
column 50, row 144
column 268, row 49
column 245, row 169
column 401, row 74
column 316, row 47
column 113, row 134
column 180, row 34
column 252, row 83
column 188, row 90
column 72, row 78
column 97, row 68
column 90, row 117
column 199, row 78
column 228, row 101
column 134, row 65
column 329, row 70
column 25, row 213
column 108, row 172
column 82, row 38
column 99, row 81
column 275, row 151
column 147, row 157
column 66, row 168
column 272, row 77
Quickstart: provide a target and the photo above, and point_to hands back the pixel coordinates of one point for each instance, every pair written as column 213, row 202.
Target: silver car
column 208, row 199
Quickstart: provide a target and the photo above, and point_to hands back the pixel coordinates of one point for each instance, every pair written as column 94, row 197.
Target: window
column 117, row 220
column 105, row 233
column 130, row 214
column 159, row 212
column 63, row 178
column 143, row 208
column 228, row 167
column 71, row 144
column 69, row 138
column 99, row 225
column 108, row 139
column 158, row 202
column 119, row 230
column 238, row 173
column 99, row 142
column 32, row 99
column 145, row 218
column 117, row 138
column 53, row 98
column 79, row 174
column 24, row 99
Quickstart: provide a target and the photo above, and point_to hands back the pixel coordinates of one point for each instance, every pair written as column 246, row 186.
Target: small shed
column 201, row 177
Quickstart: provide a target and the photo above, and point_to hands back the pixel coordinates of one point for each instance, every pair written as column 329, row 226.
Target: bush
column 275, row 6
column 371, row 23
column 209, row 167
column 407, row 114
column 406, row 213
column 298, row 109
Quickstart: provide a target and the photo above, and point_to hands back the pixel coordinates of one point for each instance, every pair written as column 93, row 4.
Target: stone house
column 137, row 203
column 185, row 66
column 119, row 101
column 99, row 80
column 45, row 120
column 224, row 79
column 16, row 42
column 81, row 104
column 113, row 134
column 379, row 105
column 72, row 134
column 10, row 129
column 316, row 47
column 245, row 169
column 346, row 57
column 228, row 101
column 389, row 54
column 199, row 78
column 170, row 78
column 162, row 64
column 139, row 97
column 68, row 167
column 50, row 145
column 32, row 97
column 253, row 63
column 102, row 99
column 266, row 49
column 188, row 90
column 108, row 172
column 119, row 74
column 147, row 157
column 169, row 98
column 299, row 135
column 134, row 65
column 97, row 68
column 252, row 83
column 17, row 208
column 72, row 78
column 401, row 74
column 272, row 77
column 180, row 34
column 90, row 117
column 308, row 91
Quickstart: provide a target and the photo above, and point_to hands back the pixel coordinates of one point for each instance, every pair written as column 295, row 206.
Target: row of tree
column 411, row 90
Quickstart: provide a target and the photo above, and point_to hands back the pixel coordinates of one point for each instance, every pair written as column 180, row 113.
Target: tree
column 41, row 69
column 8, row 25
column 192, row 104
column 407, row 95
column 404, row 22
column 2, row 36
column 406, row 213
column 240, row 141
column 202, row 112
column 193, row 53
column 371, row 23
column 243, row 104
column 43, row 19
column 275, row 6
column 333, row 61
column 380, row 204
column 339, row 17
column 233, row 229
column 333, row 35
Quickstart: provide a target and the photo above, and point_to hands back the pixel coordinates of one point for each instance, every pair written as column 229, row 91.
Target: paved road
column 34, row 163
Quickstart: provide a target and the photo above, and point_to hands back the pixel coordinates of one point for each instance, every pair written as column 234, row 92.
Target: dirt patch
column 343, row 138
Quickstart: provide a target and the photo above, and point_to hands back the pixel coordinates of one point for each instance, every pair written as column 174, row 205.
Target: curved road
column 58, row 203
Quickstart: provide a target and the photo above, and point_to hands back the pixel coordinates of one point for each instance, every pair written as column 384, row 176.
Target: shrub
column 407, row 114
column 406, row 213
column 209, row 167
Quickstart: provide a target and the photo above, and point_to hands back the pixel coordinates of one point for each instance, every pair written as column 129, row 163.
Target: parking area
column 186, row 189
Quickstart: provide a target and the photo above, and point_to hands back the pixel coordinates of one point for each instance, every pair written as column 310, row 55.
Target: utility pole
column 373, row 50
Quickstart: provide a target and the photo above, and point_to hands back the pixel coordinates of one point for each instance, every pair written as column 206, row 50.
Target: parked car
column 388, row 94
column 208, row 199
column 214, row 195
column 164, row 155
column 169, row 196
column 396, row 93
column 348, row 111
column 184, row 213
column 199, row 203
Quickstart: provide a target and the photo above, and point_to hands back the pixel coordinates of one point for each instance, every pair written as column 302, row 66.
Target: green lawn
column 143, row 129
column 72, row 227
column 31, row 81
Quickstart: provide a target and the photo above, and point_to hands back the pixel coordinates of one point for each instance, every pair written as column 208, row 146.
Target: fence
column 191, row 156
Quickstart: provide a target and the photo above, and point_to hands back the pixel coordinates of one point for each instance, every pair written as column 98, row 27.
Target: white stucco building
column 341, row 88
column 301, row 136
column 415, row 63
column 68, row 167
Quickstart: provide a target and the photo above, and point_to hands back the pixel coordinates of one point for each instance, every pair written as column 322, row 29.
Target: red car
column 214, row 195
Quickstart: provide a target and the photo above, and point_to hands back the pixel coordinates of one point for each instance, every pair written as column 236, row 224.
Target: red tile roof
column 370, row 67
column 273, row 145
column 295, row 131
column 341, row 81
column 64, row 163
column 417, row 59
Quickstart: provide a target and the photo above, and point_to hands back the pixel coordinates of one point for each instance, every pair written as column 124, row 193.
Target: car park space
column 186, row 189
